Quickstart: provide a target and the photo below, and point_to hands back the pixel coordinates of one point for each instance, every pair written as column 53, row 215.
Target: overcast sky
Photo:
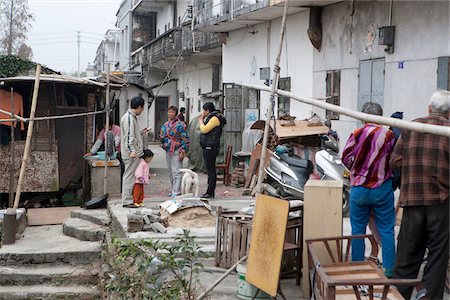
column 53, row 37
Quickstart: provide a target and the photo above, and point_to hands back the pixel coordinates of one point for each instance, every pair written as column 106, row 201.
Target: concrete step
column 48, row 244
column 83, row 230
column 49, row 292
column 49, row 274
column 97, row 216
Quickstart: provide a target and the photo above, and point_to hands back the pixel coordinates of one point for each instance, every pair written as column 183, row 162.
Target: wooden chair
column 293, row 245
column 226, row 166
column 336, row 277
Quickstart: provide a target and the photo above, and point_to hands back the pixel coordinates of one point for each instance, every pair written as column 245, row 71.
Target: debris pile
column 146, row 220
column 238, row 176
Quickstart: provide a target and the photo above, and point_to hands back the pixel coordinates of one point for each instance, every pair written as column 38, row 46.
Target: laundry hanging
column 5, row 104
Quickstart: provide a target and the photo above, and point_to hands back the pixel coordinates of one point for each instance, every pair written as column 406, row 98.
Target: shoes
column 207, row 196
column 131, row 205
column 169, row 195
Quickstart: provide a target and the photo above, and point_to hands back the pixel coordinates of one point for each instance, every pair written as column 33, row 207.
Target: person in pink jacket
column 142, row 177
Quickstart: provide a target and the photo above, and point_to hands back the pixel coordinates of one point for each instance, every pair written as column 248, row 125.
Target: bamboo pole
column 403, row 124
column 105, row 177
column 26, row 120
column 13, row 115
column 12, row 169
column 220, row 279
column 26, row 152
column 274, row 87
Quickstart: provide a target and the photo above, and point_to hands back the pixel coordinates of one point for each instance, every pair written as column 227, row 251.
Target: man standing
column 366, row 155
column 175, row 141
column 131, row 146
column 424, row 194
column 211, row 125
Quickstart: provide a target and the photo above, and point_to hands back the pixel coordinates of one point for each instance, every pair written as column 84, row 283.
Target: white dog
column 189, row 182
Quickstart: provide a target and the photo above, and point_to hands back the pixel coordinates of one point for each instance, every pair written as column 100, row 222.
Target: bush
column 148, row 269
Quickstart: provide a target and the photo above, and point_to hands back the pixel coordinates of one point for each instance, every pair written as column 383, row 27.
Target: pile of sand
column 195, row 217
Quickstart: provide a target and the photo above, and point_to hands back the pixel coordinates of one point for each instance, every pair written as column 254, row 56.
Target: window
column 333, row 82
column 284, row 103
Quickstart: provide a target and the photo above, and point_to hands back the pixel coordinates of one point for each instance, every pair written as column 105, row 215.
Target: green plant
column 149, row 269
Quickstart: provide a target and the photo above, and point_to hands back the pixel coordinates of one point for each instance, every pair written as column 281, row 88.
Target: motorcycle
column 330, row 166
column 288, row 173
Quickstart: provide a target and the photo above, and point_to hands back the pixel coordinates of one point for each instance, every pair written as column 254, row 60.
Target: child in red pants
column 142, row 177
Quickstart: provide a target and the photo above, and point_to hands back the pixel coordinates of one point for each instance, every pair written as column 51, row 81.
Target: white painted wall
column 124, row 23
column 422, row 34
column 164, row 17
column 261, row 42
column 190, row 81
column 182, row 6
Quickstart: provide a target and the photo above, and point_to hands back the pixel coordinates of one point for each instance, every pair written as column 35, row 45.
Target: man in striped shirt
column 367, row 155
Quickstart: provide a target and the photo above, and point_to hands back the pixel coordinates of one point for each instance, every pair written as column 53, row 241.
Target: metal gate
column 371, row 82
column 237, row 100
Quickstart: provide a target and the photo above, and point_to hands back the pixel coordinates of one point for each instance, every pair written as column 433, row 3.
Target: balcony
column 194, row 41
column 229, row 15
column 163, row 47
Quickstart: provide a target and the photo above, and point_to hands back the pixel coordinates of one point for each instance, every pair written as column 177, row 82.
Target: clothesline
column 15, row 117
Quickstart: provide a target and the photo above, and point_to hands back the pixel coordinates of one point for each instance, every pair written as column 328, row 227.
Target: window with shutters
column 333, row 82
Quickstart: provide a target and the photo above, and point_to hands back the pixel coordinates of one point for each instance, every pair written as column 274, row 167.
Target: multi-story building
column 108, row 52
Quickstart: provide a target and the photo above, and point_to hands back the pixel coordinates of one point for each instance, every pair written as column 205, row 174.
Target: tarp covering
column 195, row 153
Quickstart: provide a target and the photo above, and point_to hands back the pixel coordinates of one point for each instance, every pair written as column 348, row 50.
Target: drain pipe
column 390, row 12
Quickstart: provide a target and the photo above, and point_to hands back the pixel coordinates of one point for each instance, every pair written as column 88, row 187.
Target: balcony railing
column 193, row 41
column 211, row 12
column 166, row 45
column 173, row 42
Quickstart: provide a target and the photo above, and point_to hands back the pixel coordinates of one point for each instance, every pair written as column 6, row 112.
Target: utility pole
column 78, row 42
column 10, row 39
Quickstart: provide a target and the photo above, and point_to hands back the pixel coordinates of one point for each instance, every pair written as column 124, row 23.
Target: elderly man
column 367, row 155
column 131, row 146
column 424, row 194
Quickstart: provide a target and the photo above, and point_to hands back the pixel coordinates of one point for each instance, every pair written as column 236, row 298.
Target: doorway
column 371, row 82
column 161, row 108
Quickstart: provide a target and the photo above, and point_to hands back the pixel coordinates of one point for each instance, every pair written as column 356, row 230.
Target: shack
column 58, row 145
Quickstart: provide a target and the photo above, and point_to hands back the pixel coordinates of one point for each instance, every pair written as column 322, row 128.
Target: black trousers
column 209, row 156
column 122, row 168
column 424, row 227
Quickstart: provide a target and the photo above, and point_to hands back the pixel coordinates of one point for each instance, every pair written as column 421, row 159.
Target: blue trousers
column 381, row 201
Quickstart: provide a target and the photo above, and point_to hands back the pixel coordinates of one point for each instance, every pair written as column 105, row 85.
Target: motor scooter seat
column 294, row 160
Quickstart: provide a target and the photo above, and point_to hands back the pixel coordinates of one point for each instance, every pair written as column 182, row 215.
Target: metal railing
column 210, row 12
column 194, row 41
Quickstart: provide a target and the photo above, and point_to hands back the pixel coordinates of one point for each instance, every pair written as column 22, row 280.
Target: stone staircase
column 56, row 262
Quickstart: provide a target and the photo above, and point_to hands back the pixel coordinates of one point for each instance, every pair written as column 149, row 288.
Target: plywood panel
column 49, row 216
column 322, row 217
column 267, row 241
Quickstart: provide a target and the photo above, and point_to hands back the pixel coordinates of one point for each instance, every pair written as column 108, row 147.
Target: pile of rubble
column 146, row 220
column 238, row 176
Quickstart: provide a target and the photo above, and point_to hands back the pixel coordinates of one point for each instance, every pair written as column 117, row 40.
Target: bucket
column 246, row 290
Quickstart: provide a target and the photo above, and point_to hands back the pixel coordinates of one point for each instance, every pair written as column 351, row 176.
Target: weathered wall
column 41, row 173
column 421, row 36
column 259, row 44
column 191, row 80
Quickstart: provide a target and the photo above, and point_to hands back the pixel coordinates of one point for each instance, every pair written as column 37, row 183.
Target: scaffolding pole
column 403, row 124
column 26, row 152
column 274, row 87
column 105, row 178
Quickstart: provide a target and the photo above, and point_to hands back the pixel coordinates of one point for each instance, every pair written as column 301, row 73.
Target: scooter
column 288, row 173
column 330, row 166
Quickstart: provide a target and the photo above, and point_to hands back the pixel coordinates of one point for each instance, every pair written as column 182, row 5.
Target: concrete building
column 108, row 52
column 180, row 66
column 249, row 53
column 353, row 67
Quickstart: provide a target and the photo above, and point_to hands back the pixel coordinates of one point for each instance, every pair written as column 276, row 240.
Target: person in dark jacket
column 211, row 125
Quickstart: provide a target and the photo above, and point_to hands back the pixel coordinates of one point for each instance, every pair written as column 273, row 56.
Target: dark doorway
column 161, row 107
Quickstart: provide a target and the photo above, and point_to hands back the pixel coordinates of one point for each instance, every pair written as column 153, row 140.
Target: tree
column 25, row 52
column 15, row 22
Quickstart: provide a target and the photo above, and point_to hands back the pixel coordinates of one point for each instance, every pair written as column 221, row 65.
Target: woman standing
column 211, row 124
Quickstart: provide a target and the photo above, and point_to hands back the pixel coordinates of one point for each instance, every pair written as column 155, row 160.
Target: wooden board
column 322, row 217
column 255, row 158
column 266, row 244
column 49, row 216
column 301, row 128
